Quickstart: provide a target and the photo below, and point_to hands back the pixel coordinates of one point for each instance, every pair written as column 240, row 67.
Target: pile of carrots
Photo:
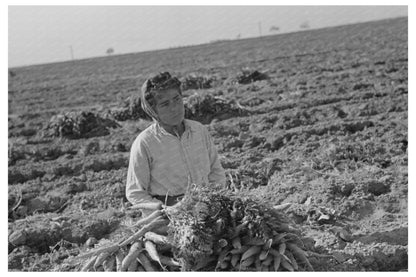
column 142, row 251
column 152, row 248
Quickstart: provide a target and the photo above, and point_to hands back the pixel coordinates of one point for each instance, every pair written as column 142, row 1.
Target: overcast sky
column 43, row 34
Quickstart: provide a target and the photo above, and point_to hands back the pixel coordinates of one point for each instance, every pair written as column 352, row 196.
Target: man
column 173, row 152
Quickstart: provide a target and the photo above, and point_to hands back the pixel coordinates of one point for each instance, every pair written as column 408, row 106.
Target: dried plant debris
column 75, row 125
column 248, row 76
column 131, row 110
column 206, row 107
column 194, row 81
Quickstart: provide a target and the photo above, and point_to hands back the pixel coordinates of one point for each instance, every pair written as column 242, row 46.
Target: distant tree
column 304, row 25
column 12, row 73
column 274, row 29
column 110, row 51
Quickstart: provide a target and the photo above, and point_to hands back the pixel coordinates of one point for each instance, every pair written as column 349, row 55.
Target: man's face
column 169, row 107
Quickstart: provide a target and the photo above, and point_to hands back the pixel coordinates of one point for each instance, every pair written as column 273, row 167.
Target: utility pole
column 260, row 28
column 71, row 52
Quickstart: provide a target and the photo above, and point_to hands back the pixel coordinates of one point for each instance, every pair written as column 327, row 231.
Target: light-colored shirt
column 163, row 164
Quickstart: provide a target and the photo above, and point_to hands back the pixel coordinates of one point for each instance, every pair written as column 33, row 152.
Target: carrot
column 119, row 258
column 257, row 264
column 276, row 262
column 268, row 244
column 148, row 218
column 156, row 238
column 236, row 242
column 228, row 257
column 264, row 268
column 274, row 252
column 278, row 238
column 223, row 254
column 239, row 228
column 110, row 264
column 300, row 254
column 234, row 259
column 241, row 250
column 159, row 221
column 253, row 250
column 139, row 266
column 286, row 265
column 89, row 264
column 263, row 255
column 96, row 252
column 133, row 265
column 247, row 262
column 168, row 261
column 223, row 257
column 293, row 237
column 282, row 207
column 282, row 248
column 145, row 262
column 283, row 227
column 137, row 246
column 148, row 206
column 100, row 259
column 222, row 243
column 223, row 265
column 131, row 256
column 268, row 261
column 252, row 241
column 292, row 260
column 152, row 251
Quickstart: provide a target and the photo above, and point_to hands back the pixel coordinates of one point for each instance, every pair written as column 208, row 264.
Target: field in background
column 327, row 131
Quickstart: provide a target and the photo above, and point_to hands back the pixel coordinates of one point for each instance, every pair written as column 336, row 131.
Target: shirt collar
column 160, row 130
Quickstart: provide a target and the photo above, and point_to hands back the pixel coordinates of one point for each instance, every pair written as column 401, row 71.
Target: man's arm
column 217, row 174
column 138, row 175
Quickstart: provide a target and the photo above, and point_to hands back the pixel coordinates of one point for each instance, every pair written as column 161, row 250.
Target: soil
column 326, row 131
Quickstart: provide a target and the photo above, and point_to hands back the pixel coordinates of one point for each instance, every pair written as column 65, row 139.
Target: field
column 325, row 129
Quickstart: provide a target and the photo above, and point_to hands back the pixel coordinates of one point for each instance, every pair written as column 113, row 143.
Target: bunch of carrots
column 152, row 248
column 142, row 251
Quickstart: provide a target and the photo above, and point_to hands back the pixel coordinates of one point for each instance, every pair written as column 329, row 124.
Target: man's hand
column 173, row 207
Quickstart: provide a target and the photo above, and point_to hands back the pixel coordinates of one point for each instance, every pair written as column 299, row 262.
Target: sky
column 44, row 34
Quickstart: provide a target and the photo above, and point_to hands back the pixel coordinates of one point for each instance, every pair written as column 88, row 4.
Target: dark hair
column 160, row 82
